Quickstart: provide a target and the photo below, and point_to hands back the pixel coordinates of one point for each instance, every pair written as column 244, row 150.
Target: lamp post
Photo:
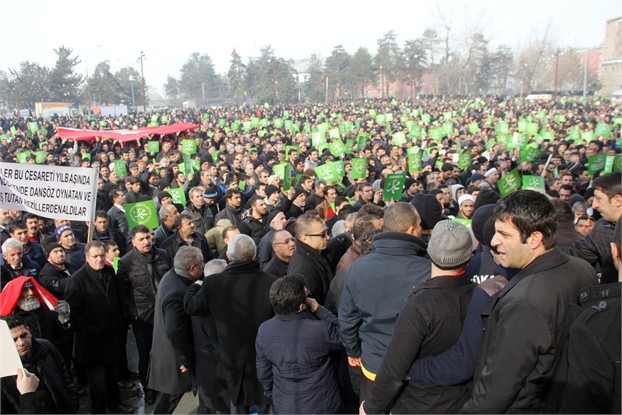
column 86, row 60
column 142, row 75
column 132, row 84
column 381, row 83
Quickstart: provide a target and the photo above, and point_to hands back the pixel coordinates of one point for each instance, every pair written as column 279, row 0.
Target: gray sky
column 169, row 31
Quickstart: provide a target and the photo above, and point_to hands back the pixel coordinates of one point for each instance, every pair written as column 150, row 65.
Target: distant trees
column 443, row 60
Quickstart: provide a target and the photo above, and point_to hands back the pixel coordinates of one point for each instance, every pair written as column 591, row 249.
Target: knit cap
column 450, row 245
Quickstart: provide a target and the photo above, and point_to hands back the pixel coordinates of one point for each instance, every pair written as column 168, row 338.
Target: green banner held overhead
column 394, row 187
column 141, row 213
column 399, row 138
column 509, row 183
column 178, row 195
column 465, row 160
column 596, row 163
column 283, row 172
column 340, row 167
column 188, row 147
column 415, row 162
column 359, row 168
column 120, row 168
column 337, row 148
column 327, row 172
column 317, row 138
column 153, row 146
column 603, row 130
column 333, row 133
column 533, row 183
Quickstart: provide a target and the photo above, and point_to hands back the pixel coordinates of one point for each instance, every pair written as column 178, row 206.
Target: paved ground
column 134, row 396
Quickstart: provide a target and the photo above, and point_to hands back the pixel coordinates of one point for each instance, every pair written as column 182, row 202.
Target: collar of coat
column 397, row 243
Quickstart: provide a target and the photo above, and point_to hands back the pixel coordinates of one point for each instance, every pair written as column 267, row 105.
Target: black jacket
column 56, row 392
column 276, row 267
column 139, row 276
column 595, row 249
column 525, row 321
column 254, row 228
column 315, row 268
column 174, row 242
column 430, row 322
column 160, row 235
column 118, row 220
column 54, row 279
column 203, row 218
column 96, row 316
column 230, row 213
column 593, row 381
column 238, row 301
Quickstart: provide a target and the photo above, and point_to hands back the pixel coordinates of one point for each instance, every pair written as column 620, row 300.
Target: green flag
column 141, row 213
column 415, row 162
column 340, row 167
column 465, row 160
column 399, row 138
column 602, row 130
column 596, row 163
column 327, row 172
column 120, row 168
column 509, row 183
column 608, row 164
column 465, row 222
column 178, row 195
column 333, row 133
column 189, row 147
column 394, row 186
column 587, row 136
column 283, row 171
column 22, row 156
column 533, row 183
column 317, row 138
column 617, row 163
column 337, row 148
column 359, row 168
column 33, row 126
column 153, row 146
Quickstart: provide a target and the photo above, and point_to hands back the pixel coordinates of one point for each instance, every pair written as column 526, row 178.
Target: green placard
column 399, row 138
column 415, row 162
column 222, row 122
column 164, row 119
column 33, row 126
column 188, row 146
column 529, row 153
column 509, row 183
column 178, row 195
column 120, row 168
column 465, row 222
column 394, row 186
column 317, row 138
column 337, row 148
column 426, row 118
column 596, row 163
column 522, row 125
column 333, row 133
column 533, row 183
column 532, row 128
column 283, row 171
column 40, row 156
column 359, row 168
column 340, row 166
column 587, row 136
column 327, row 172
column 22, row 156
column 602, row 130
column 435, row 134
column 153, row 146
column 608, row 164
column 617, row 163
column 473, row 127
column 465, row 160
column 247, row 125
column 141, row 213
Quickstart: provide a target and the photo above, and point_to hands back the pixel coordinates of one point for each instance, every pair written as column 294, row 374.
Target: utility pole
column 142, row 75
column 133, row 100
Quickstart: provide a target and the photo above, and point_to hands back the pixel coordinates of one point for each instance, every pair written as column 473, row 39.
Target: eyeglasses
column 324, row 234
column 286, row 241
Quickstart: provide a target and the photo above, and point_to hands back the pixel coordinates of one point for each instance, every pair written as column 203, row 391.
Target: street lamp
column 381, row 82
column 132, row 84
column 86, row 60
column 142, row 75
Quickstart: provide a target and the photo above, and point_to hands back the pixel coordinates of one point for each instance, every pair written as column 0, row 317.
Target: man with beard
column 45, row 384
column 233, row 207
column 139, row 274
column 254, row 224
column 15, row 264
column 276, row 220
column 74, row 250
column 97, row 320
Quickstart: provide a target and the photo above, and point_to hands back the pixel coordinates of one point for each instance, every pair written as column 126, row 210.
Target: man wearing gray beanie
column 430, row 320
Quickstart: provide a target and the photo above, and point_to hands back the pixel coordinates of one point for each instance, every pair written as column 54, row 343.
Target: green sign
column 337, row 148
column 473, row 127
column 509, row 183
column 188, row 146
column 153, row 146
column 465, row 160
column 177, row 195
column 617, row 163
column 120, row 168
column 399, row 138
column 141, row 213
column 359, row 168
column 33, row 126
column 327, row 172
column 533, row 183
column 317, row 138
column 283, row 171
column 394, row 186
column 596, row 163
column 415, row 162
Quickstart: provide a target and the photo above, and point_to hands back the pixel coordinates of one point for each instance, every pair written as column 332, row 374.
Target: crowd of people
column 273, row 285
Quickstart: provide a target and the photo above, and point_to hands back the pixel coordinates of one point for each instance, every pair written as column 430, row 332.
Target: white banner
column 49, row 191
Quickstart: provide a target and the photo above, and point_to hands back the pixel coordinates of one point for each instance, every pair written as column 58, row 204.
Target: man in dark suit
column 172, row 354
column 238, row 301
column 97, row 320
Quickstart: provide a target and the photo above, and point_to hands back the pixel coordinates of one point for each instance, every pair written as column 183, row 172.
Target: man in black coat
column 97, row 320
column 52, row 391
column 172, row 355
column 238, row 301
column 139, row 274
column 56, row 272
column 312, row 238
column 186, row 235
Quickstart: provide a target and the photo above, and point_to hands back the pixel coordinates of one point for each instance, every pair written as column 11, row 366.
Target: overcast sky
column 169, row 31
